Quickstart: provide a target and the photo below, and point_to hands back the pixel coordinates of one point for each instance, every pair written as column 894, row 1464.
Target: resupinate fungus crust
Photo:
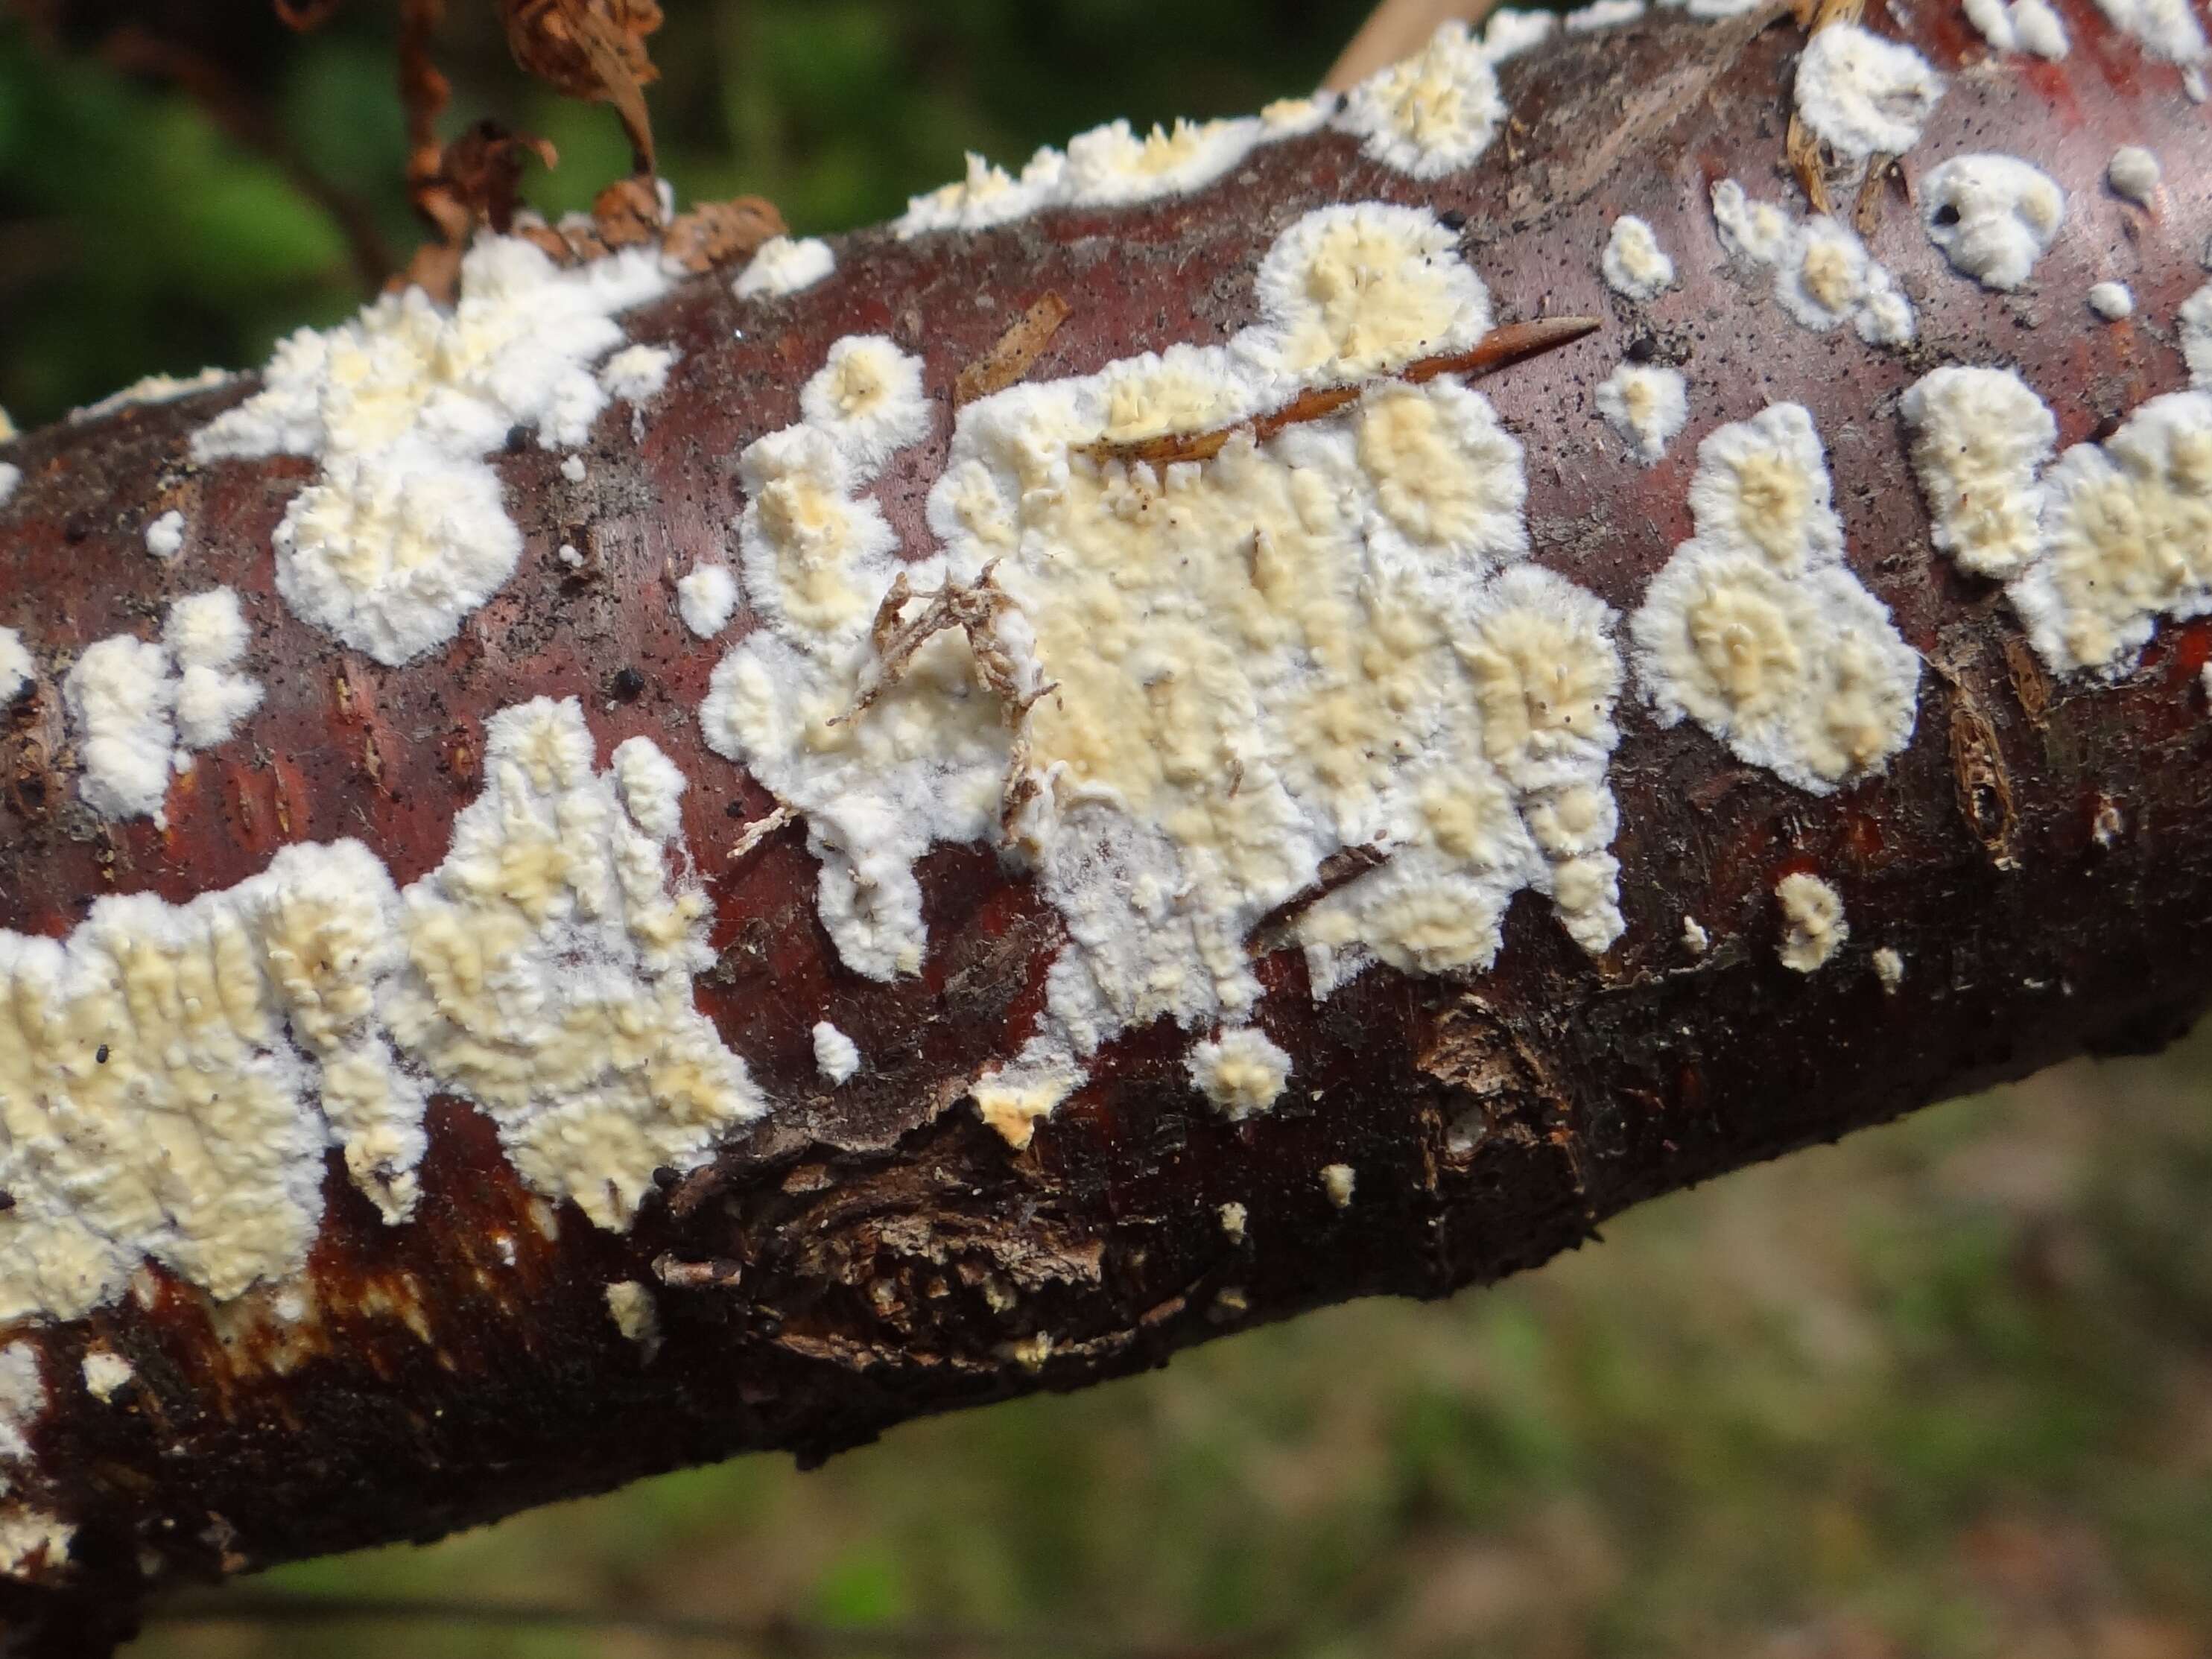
column 1230, row 649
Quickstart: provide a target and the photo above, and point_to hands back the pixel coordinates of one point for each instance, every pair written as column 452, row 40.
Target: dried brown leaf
column 590, row 48
column 715, row 233
column 1011, row 355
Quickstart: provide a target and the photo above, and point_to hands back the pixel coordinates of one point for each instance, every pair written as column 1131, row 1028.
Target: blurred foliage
column 1944, row 1391
column 134, row 237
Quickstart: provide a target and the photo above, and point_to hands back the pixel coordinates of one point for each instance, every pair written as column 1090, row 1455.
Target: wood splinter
column 1500, row 347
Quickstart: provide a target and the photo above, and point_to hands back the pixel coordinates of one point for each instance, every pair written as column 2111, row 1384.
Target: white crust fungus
column 1433, row 113
column 2167, row 29
column 1178, row 691
column 2113, row 302
column 1813, row 925
column 152, row 389
column 1603, row 14
column 1232, row 1216
column 2108, row 538
column 1338, row 1181
column 2194, row 323
column 105, row 1373
column 1889, row 967
column 206, row 633
column 1646, row 405
column 867, row 398
column 630, row 1304
column 837, row 1056
column 171, row 1075
column 1241, row 1071
column 405, row 530
column 1757, row 630
column 1980, row 439
column 17, row 669
column 1635, row 266
column 10, row 476
column 1992, row 216
column 2032, row 26
column 1864, row 95
column 707, row 599
column 783, row 266
column 636, row 373
column 2133, row 173
column 1823, row 275
column 122, row 702
column 165, row 536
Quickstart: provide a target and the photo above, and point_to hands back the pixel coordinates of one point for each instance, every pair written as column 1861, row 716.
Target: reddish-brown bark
column 885, row 1250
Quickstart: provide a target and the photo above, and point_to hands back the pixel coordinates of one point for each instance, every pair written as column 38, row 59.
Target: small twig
column 759, row 831
column 1010, row 358
column 1496, row 350
column 1397, row 29
column 973, row 608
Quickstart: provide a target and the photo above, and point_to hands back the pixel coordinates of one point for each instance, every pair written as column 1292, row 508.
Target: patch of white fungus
column 1823, row 275
column 1863, row 95
column 172, row 1075
column 165, row 536
column 405, row 530
column 2030, row 26
column 836, row 1055
column 1179, row 690
column 781, row 265
column 1813, row 925
column 1992, row 216
column 1634, row 265
column 707, row 599
column 1645, row 404
column 2111, row 300
column 1241, row 1071
column 2133, row 173
column 1757, row 630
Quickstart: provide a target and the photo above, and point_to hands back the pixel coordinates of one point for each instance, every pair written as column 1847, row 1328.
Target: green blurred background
column 1945, row 1390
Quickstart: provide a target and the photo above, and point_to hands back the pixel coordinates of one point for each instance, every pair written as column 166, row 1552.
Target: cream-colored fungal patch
column 1646, row 405
column 2194, row 324
column 707, row 599
column 1634, row 265
column 160, row 1076
column 7, row 426
column 23, row 1400
column 837, row 1056
column 171, row 1075
column 637, row 372
column 2031, row 26
column 1992, row 216
column 550, row 959
column 1232, row 1217
column 2133, row 173
column 1110, row 165
column 636, row 1315
column 1013, row 1102
column 1813, row 925
column 1512, row 31
column 1889, row 968
column 867, row 398
column 986, row 196
column 1695, row 940
column 573, row 468
column 1823, row 275
column 1293, row 117
column 1601, row 14
column 122, row 701
column 2127, row 538
column 405, row 530
column 1241, row 1071
column 1980, row 440
column 165, row 536
column 784, row 266
column 2167, row 29
column 2095, row 547
column 32, row 1538
column 1863, row 95
column 153, row 389
column 17, row 669
column 11, row 475
column 1177, row 691
column 1432, row 114
column 2113, row 302
column 106, row 1373
column 1759, row 631
column 206, row 635
column 1339, row 1181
